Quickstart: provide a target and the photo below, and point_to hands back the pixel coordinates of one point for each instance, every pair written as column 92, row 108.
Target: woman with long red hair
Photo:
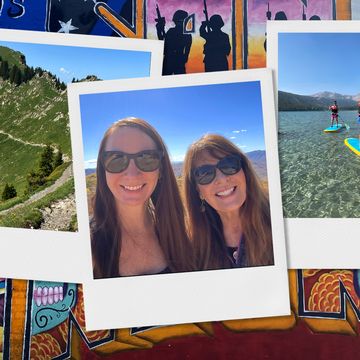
column 228, row 210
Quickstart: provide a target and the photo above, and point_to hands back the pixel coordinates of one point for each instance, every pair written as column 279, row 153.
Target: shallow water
column 320, row 176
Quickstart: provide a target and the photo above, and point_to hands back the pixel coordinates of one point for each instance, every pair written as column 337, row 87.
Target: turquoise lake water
column 320, row 175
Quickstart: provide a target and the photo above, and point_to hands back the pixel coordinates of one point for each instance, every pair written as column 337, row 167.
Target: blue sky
column 181, row 115
column 315, row 62
column 68, row 62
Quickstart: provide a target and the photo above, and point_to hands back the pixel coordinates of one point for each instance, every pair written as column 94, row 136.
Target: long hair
column 206, row 229
column 165, row 204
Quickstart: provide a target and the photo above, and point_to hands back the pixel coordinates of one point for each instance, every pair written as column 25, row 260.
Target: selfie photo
column 181, row 182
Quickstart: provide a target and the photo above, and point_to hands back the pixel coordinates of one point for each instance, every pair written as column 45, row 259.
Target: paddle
column 342, row 120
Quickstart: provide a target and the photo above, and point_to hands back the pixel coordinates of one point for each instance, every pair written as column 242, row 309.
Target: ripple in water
column 320, row 176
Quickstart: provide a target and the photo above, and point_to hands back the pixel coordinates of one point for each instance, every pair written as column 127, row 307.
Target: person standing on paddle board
column 334, row 113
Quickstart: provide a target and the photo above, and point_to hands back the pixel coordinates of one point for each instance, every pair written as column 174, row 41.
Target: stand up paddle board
column 353, row 144
column 334, row 128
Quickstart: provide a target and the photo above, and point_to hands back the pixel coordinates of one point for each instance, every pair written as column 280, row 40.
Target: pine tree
column 46, row 161
column 26, row 74
column 31, row 73
column 39, row 71
column 12, row 74
column 4, row 70
column 58, row 159
column 18, row 77
column 34, row 180
column 9, row 192
column 23, row 59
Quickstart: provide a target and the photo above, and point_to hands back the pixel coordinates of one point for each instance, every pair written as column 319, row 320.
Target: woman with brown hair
column 138, row 222
column 228, row 210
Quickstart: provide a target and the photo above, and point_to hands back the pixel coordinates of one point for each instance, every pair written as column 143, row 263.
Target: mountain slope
column 12, row 57
column 321, row 101
column 258, row 160
column 35, row 112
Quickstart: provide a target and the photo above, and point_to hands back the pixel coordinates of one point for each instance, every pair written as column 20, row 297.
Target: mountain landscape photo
column 319, row 101
column 35, row 156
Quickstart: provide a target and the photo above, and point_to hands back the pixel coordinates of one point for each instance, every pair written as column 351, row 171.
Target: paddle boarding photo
column 316, row 74
column 319, row 90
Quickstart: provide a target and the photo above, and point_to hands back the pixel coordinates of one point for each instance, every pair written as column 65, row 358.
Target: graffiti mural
column 50, row 324
column 259, row 11
column 174, row 19
column 41, row 320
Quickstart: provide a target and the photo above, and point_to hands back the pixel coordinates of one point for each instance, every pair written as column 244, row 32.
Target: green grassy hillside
column 16, row 160
column 32, row 113
column 35, row 112
column 12, row 57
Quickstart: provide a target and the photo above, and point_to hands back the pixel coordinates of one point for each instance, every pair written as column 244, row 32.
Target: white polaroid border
column 194, row 296
column 54, row 255
column 316, row 243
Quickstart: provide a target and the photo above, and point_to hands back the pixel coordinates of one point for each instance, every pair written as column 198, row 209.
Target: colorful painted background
column 46, row 320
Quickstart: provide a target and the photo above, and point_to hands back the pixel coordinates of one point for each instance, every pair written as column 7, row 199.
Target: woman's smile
column 133, row 188
column 226, row 193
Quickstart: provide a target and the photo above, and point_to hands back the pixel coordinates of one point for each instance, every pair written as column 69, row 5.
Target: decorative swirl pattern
column 64, row 330
column 325, row 294
column 44, row 347
column 46, row 314
column 310, row 272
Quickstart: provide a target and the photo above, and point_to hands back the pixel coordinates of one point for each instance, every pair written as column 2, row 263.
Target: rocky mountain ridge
column 319, row 101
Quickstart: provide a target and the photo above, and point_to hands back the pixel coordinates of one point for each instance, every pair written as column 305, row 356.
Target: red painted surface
column 297, row 344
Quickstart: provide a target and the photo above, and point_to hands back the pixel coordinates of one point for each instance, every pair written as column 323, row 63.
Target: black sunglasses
column 118, row 161
column 229, row 165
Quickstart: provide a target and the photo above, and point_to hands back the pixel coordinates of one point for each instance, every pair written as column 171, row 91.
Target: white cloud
column 90, row 164
column 177, row 158
column 232, row 137
column 243, row 130
column 64, row 71
column 236, row 131
column 241, row 146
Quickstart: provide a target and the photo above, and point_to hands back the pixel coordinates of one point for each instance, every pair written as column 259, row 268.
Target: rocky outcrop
column 59, row 214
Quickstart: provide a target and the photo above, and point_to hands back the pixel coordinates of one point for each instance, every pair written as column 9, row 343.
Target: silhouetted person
column 280, row 15
column 176, row 44
column 217, row 46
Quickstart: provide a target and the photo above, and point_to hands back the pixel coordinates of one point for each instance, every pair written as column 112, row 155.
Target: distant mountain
column 257, row 158
column 334, row 96
column 89, row 171
column 177, row 167
column 319, row 101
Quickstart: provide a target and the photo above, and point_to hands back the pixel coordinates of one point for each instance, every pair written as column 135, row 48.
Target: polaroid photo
column 179, row 183
column 39, row 236
column 316, row 75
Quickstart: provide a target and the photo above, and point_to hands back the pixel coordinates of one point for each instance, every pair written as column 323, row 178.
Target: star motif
column 66, row 27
